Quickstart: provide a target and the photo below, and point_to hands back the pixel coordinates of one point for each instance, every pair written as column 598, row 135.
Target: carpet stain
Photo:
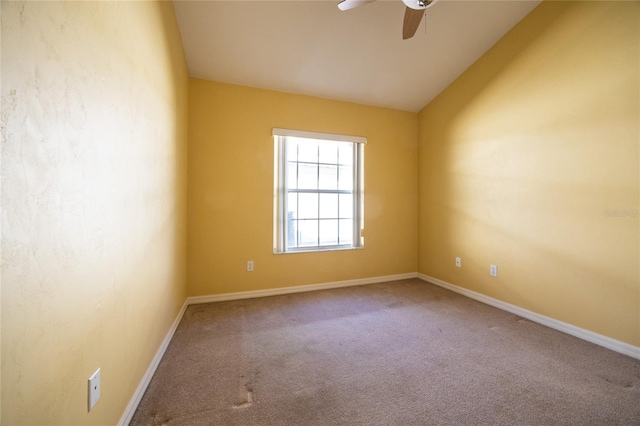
column 623, row 384
column 156, row 421
column 245, row 392
column 194, row 310
column 247, row 401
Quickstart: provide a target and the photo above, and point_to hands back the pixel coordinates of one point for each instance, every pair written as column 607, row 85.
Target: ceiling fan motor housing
column 418, row 4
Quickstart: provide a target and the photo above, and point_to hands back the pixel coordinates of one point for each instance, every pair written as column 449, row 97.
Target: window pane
column 292, row 175
column 328, row 206
column 345, row 178
column 308, row 150
column 307, row 233
column 328, row 152
column 292, row 149
column 346, row 231
column 345, row 152
column 328, row 178
column 292, row 232
column 307, row 206
column 292, row 205
column 328, row 232
column 346, row 206
column 307, row 176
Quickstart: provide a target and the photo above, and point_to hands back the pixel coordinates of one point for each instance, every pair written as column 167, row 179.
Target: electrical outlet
column 93, row 390
column 493, row 270
column 250, row 266
column 458, row 262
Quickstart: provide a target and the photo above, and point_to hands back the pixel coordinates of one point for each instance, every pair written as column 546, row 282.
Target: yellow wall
column 521, row 157
column 517, row 162
column 230, row 211
column 94, row 150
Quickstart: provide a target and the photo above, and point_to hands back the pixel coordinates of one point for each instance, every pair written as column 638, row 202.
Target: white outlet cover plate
column 94, row 389
column 493, row 270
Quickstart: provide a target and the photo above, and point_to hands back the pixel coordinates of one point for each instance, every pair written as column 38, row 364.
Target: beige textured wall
column 522, row 157
column 94, row 145
column 231, row 189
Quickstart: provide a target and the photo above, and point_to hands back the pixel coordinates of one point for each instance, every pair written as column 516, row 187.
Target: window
column 318, row 191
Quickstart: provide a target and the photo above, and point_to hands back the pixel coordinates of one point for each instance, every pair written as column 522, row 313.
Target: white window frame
column 280, row 190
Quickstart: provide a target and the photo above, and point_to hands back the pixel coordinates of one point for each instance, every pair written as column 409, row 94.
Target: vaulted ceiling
column 313, row 48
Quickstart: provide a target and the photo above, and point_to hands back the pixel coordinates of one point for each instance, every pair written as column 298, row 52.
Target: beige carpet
column 400, row 353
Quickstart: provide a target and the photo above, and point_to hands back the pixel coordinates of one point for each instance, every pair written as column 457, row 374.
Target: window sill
column 317, row 250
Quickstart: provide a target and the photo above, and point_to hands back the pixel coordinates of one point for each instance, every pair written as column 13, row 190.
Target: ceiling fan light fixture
column 418, row 4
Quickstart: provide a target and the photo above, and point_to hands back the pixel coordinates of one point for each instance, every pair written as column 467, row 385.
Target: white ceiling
column 313, row 48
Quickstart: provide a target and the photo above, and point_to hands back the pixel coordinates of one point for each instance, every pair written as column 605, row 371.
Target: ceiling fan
column 412, row 14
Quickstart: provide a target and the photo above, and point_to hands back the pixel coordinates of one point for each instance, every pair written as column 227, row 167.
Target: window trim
column 280, row 190
column 315, row 135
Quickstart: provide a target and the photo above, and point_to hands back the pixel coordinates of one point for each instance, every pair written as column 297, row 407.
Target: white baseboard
column 148, row 375
column 296, row 289
column 589, row 336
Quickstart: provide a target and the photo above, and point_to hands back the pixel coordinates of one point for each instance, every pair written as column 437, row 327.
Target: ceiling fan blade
column 412, row 19
column 351, row 4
